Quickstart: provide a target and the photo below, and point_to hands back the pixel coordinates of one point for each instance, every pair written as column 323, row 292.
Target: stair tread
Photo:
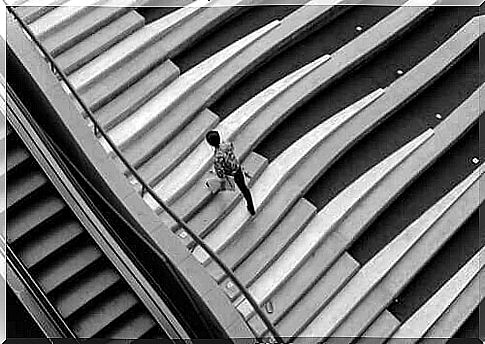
column 222, row 203
column 21, row 187
column 177, row 149
column 137, row 94
column 48, row 241
column 26, row 219
column 133, row 327
column 70, row 264
column 275, row 243
column 84, row 51
column 197, row 196
column 30, row 13
column 316, row 298
column 16, row 156
column 85, row 290
column 59, row 17
column 81, row 28
column 104, row 313
column 380, row 329
column 116, row 81
column 288, row 292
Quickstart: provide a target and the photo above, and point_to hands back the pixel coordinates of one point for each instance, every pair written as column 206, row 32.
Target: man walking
column 227, row 164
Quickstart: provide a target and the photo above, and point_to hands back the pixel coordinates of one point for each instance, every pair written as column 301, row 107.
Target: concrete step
column 272, row 246
column 208, row 18
column 318, row 296
column 134, row 327
column 82, row 292
column 81, row 28
column 438, row 305
column 92, row 46
column 61, row 16
column 282, row 183
column 199, row 197
column 321, row 263
column 234, row 64
column 236, row 126
column 104, row 313
column 24, row 186
column 17, row 157
column 381, row 329
column 119, row 80
column 67, row 267
column 47, row 242
column 136, row 95
column 178, row 149
column 30, row 9
column 221, row 204
column 155, row 123
column 381, row 279
column 131, row 46
column 320, row 232
column 451, row 321
column 29, row 219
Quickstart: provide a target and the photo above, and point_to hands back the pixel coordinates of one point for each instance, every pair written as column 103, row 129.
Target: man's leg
column 241, row 184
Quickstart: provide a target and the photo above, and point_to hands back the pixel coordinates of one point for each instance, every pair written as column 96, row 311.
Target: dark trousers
column 241, row 184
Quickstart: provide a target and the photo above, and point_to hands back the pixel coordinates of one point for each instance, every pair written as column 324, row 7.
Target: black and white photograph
column 242, row 171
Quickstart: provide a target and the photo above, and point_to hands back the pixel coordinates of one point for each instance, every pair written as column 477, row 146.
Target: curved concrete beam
column 164, row 101
column 130, row 46
column 424, row 318
column 324, row 224
column 281, row 169
column 156, row 134
column 390, row 270
column 198, row 161
column 60, row 16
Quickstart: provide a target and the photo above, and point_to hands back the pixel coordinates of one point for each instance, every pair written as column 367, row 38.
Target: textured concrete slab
column 315, row 299
column 163, row 102
column 136, row 95
column 293, row 291
column 421, row 321
column 177, row 149
column 30, row 9
column 381, row 329
column 391, row 269
column 60, row 17
column 98, row 42
column 103, row 91
column 130, row 46
column 324, row 223
column 272, row 246
column 81, row 28
column 451, row 321
column 279, row 170
column 202, row 23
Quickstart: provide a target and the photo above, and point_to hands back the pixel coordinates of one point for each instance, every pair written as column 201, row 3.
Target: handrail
column 145, row 187
column 49, row 310
column 84, row 215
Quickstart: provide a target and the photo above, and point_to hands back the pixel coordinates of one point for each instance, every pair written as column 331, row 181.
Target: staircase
column 57, row 250
column 293, row 256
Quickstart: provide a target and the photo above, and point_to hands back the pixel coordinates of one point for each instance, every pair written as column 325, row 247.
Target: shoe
column 251, row 211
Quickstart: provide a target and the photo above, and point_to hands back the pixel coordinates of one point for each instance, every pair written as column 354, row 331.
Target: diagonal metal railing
column 99, row 130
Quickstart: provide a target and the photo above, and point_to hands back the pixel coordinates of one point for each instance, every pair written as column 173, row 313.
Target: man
column 227, row 164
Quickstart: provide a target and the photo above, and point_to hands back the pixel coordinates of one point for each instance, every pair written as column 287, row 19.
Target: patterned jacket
column 225, row 161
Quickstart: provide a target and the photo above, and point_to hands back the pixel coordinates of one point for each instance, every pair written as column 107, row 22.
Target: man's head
column 213, row 138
